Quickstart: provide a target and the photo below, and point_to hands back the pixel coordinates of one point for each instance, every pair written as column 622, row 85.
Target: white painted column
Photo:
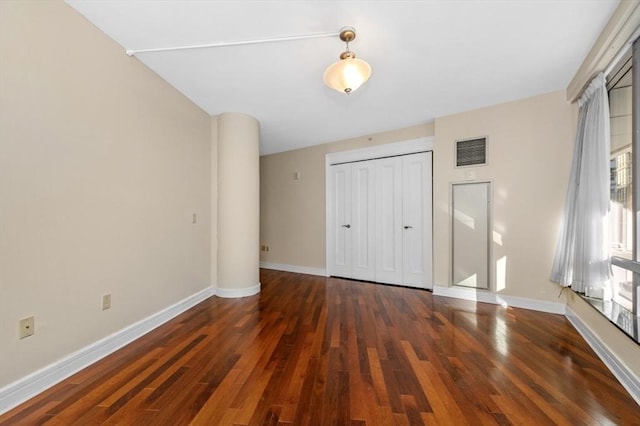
column 238, row 205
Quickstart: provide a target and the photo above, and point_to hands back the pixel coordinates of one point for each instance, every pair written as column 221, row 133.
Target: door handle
column 346, row 226
column 408, row 227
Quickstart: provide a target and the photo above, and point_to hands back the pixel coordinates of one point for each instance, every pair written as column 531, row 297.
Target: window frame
column 633, row 264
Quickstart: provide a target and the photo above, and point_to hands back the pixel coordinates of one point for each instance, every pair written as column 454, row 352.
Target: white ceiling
column 429, row 58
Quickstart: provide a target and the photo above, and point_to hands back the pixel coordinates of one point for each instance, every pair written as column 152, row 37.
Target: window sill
column 618, row 315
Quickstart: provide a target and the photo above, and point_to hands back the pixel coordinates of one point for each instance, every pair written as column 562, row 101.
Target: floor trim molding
column 618, row 369
column 234, row 293
column 293, row 268
column 499, row 299
column 29, row 386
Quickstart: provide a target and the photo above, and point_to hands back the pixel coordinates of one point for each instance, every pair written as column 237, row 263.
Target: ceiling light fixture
column 348, row 73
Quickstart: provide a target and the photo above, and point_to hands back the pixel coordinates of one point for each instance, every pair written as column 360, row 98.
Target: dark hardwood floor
column 316, row 351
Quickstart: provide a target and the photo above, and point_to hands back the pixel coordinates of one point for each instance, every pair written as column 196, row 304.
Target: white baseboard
column 233, row 293
column 628, row 380
column 27, row 387
column 293, row 268
column 499, row 299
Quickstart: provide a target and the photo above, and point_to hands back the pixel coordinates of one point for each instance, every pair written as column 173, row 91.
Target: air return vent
column 471, row 152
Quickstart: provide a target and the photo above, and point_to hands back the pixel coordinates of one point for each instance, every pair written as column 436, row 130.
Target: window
column 621, row 219
column 619, row 84
column 624, row 253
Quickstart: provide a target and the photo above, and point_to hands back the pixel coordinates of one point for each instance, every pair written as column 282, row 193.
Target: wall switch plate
column 27, row 327
column 194, row 219
column 106, row 302
column 296, row 175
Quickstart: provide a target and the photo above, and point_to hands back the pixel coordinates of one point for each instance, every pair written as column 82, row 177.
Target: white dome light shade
column 347, row 74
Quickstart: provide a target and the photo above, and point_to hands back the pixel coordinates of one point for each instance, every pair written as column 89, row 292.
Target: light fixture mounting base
column 347, row 34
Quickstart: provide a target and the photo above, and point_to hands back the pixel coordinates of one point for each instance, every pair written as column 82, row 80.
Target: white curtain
column 582, row 253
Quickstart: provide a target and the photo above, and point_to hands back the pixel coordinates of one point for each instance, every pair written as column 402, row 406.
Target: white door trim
column 379, row 151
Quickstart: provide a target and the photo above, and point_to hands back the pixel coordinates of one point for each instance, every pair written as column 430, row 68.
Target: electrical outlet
column 106, row 302
column 27, row 327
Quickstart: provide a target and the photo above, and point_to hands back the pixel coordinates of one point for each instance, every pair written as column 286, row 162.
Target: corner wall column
column 238, row 205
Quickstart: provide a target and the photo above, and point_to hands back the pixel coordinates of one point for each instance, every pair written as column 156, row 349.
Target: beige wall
column 102, row 165
column 529, row 158
column 292, row 212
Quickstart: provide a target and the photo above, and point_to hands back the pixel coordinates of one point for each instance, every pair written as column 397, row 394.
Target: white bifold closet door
column 389, row 220
column 341, row 215
column 382, row 214
column 362, row 221
column 417, row 218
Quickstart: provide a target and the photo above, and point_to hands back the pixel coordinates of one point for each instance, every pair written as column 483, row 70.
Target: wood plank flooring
column 315, row 351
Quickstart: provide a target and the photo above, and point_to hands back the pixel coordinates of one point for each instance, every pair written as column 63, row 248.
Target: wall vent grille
column 471, row 152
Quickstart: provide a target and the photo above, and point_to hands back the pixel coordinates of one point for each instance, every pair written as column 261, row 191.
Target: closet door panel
column 416, row 218
column 363, row 221
column 389, row 220
column 341, row 253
